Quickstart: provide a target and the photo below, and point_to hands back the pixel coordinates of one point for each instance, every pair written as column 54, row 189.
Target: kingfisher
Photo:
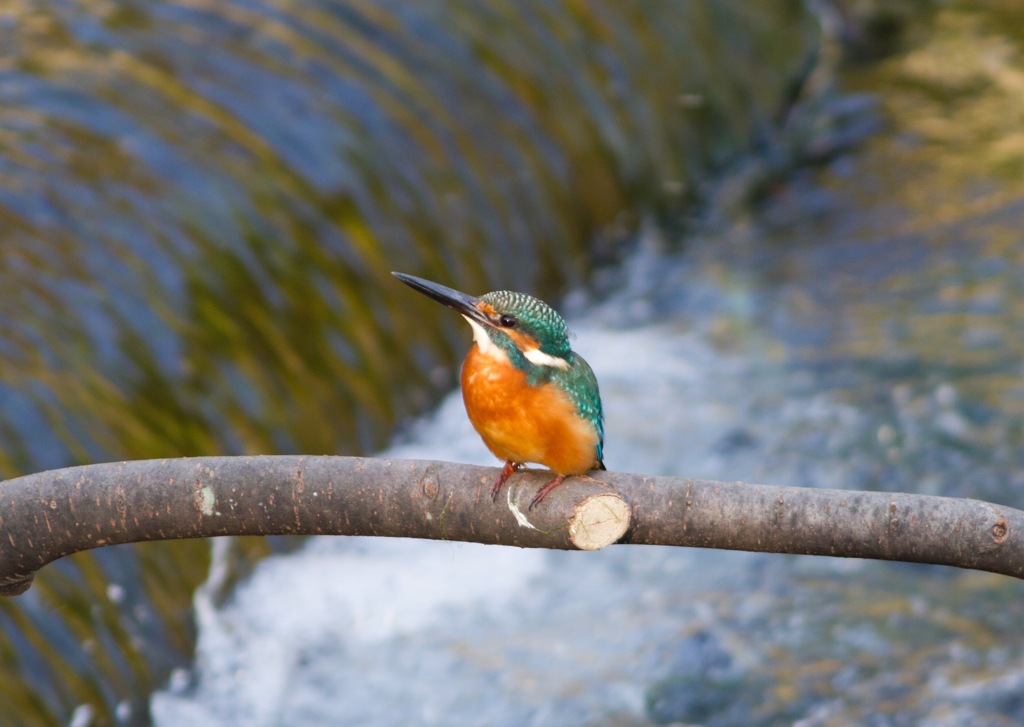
column 529, row 396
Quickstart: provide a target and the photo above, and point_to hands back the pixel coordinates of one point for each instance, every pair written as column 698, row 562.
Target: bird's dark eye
column 507, row 321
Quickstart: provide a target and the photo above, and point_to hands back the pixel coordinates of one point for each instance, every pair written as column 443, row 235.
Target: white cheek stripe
column 538, row 357
column 534, row 355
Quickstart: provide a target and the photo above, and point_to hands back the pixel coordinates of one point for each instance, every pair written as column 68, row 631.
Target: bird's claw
column 552, row 484
column 507, row 471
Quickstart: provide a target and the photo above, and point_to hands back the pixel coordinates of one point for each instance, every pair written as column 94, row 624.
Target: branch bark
column 48, row 515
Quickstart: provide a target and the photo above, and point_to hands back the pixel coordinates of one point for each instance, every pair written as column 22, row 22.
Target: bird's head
column 505, row 321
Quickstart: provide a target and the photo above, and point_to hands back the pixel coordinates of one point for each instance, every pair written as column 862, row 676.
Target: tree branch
column 48, row 515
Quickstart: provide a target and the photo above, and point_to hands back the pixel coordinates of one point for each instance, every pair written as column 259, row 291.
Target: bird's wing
column 581, row 385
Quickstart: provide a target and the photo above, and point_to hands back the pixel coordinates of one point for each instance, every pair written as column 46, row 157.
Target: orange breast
column 525, row 423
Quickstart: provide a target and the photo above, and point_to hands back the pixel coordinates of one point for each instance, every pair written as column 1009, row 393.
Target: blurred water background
column 200, row 204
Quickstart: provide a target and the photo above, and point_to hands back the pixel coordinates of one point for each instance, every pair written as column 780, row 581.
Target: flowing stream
column 200, row 204
column 860, row 328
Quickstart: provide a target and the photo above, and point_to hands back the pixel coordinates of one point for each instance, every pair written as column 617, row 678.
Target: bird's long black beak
column 459, row 302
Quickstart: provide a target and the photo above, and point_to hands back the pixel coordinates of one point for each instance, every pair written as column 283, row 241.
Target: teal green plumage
column 580, row 384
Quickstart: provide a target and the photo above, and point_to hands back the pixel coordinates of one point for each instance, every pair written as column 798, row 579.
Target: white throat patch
column 484, row 341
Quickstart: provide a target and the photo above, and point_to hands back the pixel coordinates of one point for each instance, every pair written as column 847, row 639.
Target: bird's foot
column 552, row 484
column 507, row 471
